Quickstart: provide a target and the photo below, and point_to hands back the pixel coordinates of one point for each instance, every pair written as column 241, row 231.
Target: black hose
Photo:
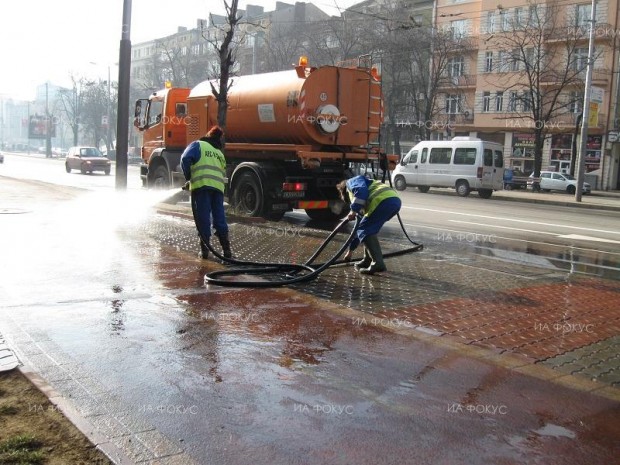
column 292, row 270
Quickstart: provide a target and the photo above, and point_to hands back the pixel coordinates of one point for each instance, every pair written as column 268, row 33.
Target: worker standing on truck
column 378, row 203
column 204, row 166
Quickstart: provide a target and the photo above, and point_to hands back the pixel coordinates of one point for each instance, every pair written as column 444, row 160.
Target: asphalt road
column 580, row 239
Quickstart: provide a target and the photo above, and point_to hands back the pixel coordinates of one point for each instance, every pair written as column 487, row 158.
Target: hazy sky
column 44, row 40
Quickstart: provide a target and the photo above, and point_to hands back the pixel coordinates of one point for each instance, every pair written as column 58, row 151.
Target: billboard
column 38, row 127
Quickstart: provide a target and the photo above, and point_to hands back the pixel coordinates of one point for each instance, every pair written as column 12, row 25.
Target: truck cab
column 162, row 120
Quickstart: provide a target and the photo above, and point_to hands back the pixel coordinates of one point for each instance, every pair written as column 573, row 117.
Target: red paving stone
column 539, row 322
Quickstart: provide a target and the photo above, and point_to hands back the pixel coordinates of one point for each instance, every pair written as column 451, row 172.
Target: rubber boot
column 225, row 243
column 365, row 262
column 204, row 250
column 374, row 248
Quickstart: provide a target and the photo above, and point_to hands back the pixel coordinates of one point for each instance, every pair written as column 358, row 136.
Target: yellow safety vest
column 378, row 192
column 209, row 170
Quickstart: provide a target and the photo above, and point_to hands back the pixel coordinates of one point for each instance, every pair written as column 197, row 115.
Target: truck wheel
column 161, row 178
column 248, row 195
column 399, row 183
column 423, row 189
column 462, row 188
column 485, row 193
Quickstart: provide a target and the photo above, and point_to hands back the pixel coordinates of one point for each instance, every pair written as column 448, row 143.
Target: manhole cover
column 12, row 211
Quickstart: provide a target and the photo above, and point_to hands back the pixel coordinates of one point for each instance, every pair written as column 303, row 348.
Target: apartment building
column 505, row 46
column 187, row 57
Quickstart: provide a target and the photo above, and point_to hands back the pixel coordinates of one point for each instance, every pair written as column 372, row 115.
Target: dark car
column 514, row 179
column 87, row 160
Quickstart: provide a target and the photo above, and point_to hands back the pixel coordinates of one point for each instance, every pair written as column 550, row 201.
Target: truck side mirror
column 139, row 118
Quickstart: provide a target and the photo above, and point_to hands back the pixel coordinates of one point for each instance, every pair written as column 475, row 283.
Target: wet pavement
column 454, row 356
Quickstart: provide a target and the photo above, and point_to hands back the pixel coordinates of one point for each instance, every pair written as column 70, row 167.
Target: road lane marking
column 505, row 227
column 512, row 219
column 515, row 239
column 588, row 238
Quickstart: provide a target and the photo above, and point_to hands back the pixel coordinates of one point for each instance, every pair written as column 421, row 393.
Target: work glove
column 185, row 186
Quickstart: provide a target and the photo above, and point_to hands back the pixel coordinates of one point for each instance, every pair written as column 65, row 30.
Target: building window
column 514, row 60
column 490, row 22
column 458, row 28
column 576, row 102
column 486, row 101
column 533, row 19
column 453, row 104
column 580, row 59
column 488, row 62
column 529, row 58
column 512, row 101
column 455, row 66
column 504, row 20
column 527, row 101
column 499, row 102
column 501, row 61
column 582, row 15
column 517, row 20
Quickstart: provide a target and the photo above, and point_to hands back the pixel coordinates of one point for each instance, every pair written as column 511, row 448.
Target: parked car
column 552, row 181
column 514, row 179
column 87, row 160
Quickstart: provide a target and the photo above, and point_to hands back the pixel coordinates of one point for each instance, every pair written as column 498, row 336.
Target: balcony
column 600, row 76
column 465, row 81
column 461, row 119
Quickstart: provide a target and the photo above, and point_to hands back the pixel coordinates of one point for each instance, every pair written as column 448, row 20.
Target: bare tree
column 545, row 58
column 224, row 45
column 415, row 62
column 337, row 39
column 283, row 45
column 71, row 102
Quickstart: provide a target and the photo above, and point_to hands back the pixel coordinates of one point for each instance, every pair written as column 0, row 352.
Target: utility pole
column 586, row 108
column 122, row 125
column 108, row 141
column 48, row 126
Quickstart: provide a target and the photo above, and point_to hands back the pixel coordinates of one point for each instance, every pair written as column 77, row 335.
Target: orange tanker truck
column 290, row 135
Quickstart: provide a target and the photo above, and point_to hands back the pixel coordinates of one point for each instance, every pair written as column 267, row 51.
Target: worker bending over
column 378, row 203
column 204, row 167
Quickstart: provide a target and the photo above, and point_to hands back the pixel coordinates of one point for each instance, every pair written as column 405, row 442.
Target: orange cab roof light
column 168, row 84
column 303, row 61
column 374, row 72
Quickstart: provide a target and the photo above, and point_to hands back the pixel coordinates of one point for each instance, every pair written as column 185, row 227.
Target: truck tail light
column 480, row 172
column 294, row 186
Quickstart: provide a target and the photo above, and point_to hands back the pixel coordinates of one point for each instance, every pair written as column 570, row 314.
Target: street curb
column 558, row 203
column 100, row 441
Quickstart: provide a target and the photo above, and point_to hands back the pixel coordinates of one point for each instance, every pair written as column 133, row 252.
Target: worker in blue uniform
column 204, row 166
column 378, row 203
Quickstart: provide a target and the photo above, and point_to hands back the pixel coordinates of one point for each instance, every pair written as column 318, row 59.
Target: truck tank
column 327, row 106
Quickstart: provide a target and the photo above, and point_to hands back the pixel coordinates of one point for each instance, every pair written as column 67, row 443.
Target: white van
column 465, row 163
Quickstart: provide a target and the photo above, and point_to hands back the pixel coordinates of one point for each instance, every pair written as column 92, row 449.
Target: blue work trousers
column 207, row 203
column 372, row 224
